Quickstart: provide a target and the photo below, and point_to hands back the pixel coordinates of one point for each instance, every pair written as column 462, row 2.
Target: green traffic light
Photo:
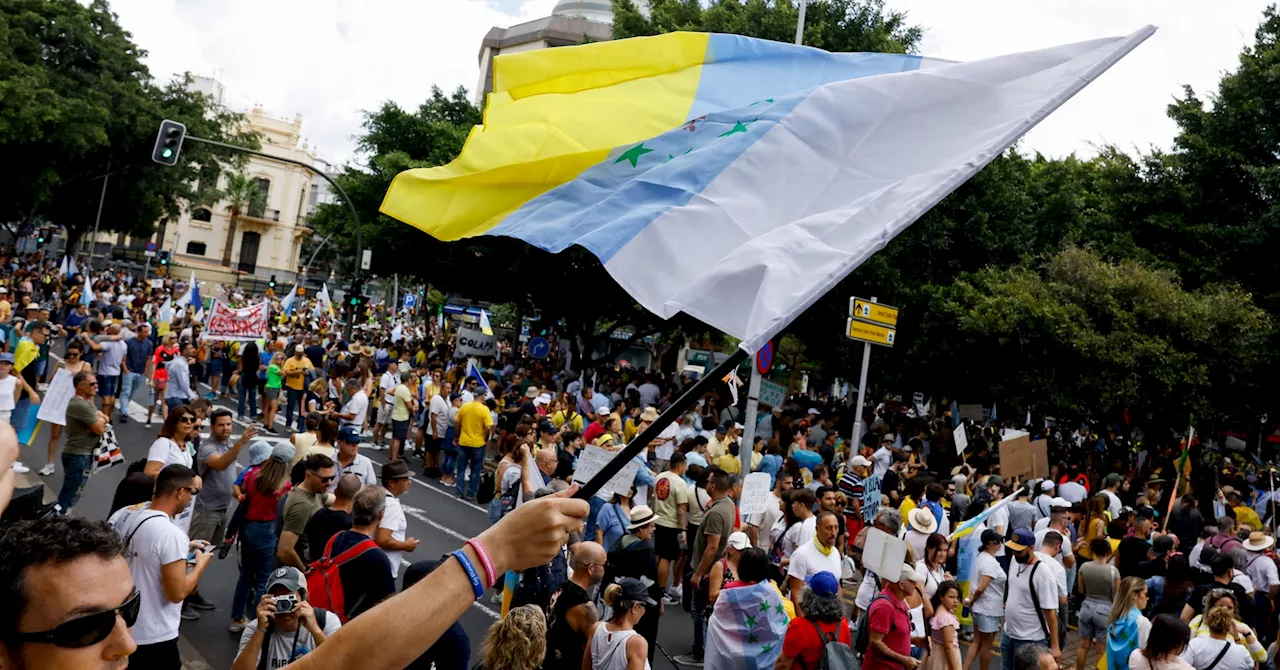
column 167, row 153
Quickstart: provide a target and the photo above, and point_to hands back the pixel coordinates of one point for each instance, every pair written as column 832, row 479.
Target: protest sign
column 1022, row 458
column 772, row 394
column 246, row 323
column 961, row 437
column 884, row 555
column 473, row 342
column 592, row 460
column 56, row 398
column 870, row 498
column 755, row 493
column 972, row 412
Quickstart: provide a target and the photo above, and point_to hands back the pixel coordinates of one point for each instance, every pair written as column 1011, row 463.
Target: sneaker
column 19, row 468
column 124, row 419
column 189, row 613
column 669, row 599
column 496, row 599
column 47, row 469
column 197, row 601
column 237, row 626
column 148, row 426
column 688, row 659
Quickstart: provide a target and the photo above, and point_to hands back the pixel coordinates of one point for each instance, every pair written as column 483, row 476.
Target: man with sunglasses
column 69, row 599
column 304, row 500
column 84, row 425
column 159, row 554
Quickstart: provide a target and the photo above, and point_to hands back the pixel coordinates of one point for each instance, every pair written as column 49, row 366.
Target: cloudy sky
column 329, row 59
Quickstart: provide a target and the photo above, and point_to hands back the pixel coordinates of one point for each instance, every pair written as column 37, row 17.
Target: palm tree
column 241, row 194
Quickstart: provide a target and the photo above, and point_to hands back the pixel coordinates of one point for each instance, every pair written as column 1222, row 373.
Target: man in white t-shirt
column 284, row 635
column 1050, row 547
column 810, row 558
column 1111, row 485
column 883, row 457
column 159, row 554
column 391, row 530
column 760, row 524
column 353, row 413
column 1028, row 619
column 387, row 384
column 1261, row 569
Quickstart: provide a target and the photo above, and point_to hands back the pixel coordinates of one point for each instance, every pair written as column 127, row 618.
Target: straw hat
column 921, row 519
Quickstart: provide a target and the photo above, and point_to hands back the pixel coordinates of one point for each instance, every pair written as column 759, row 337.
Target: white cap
column 859, row 461
column 739, row 540
column 908, row 574
column 1059, row 502
column 814, row 410
column 1046, row 485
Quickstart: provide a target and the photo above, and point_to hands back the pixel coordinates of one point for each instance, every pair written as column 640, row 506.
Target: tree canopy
column 77, row 104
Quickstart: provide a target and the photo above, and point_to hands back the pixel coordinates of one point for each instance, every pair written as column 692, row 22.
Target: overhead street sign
column 873, row 312
column 870, row 332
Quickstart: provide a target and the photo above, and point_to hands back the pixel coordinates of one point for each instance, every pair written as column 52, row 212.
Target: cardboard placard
column 1022, row 458
column 592, row 459
column 57, row 397
column 473, row 342
column 755, row 493
column 884, row 555
column 971, row 412
column 961, row 437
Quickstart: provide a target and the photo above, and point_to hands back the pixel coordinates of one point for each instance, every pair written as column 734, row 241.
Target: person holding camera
column 287, row 626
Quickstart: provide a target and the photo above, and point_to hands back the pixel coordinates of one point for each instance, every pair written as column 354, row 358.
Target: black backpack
column 862, row 635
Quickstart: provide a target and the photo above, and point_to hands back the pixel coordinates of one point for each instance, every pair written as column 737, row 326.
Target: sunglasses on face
column 328, row 479
column 87, row 630
column 188, row 419
column 194, row 491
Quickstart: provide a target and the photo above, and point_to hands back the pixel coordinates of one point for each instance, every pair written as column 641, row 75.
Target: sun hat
column 1259, row 541
column 649, row 414
column 259, row 452
column 531, row 392
column 641, row 516
column 921, row 519
column 282, row 452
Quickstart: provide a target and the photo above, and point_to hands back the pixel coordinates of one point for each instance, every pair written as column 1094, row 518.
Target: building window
column 196, row 248
column 208, row 179
column 201, row 214
column 264, row 185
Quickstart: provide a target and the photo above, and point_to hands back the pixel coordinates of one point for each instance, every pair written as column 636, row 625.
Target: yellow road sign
column 870, row 332
column 874, row 312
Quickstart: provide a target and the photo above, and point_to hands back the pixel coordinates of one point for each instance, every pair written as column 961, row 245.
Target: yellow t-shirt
column 24, row 354
column 730, row 464
column 474, row 421
column 907, row 505
column 292, row 364
column 6, row 310
column 559, row 419
column 1245, row 514
column 400, row 411
column 715, row 450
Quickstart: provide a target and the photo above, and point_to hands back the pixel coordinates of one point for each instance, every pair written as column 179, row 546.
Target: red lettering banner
column 246, row 323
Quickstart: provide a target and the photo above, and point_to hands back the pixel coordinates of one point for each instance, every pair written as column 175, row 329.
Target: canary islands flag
column 785, row 166
column 746, row 628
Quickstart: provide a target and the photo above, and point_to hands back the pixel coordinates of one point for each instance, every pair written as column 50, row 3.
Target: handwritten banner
column 246, row 323
column 57, row 397
column 755, row 493
column 593, row 459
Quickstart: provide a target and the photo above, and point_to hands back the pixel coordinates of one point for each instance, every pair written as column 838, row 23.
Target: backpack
column 862, row 636
column 324, row 583
column 836, row 655
column 1212, row 550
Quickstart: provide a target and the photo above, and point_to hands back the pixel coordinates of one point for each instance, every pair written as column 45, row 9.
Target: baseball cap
column 1046, row 485
column 724, row 427
column 349, row 434
column 989, row 536
column 909, row 574
column 1113, row 479
column 531, row 392
column 6, row 358
column 1161, row 546
column 859, row 461
column 545, row 426
column 995, row 480
column 1022, row 538
column 739, row 540
column 1060, row 502
column 288, row 577
column 814, row 410
column 298, row 348
column 823, row 583
column 634, row 591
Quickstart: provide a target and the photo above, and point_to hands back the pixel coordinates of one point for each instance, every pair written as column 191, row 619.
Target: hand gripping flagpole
column 641, row 441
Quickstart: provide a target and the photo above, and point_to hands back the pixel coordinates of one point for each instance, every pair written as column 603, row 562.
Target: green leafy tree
column 77, row 106
column 240, row 195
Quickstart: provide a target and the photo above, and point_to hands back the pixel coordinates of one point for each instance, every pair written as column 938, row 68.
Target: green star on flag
column 751, row 621
column 738, row 127
column 765, row 606
column 751, row 637
column 766, row 648
column 633, row 154
column 781, row 610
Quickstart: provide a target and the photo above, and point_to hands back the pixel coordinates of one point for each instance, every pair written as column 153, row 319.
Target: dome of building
column 592, row 10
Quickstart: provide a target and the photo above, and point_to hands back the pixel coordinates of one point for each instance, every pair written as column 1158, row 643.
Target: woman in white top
column 1219, row 650
column 931, row 566
column 986, row 599
column 615, row 644
column 1168, row 638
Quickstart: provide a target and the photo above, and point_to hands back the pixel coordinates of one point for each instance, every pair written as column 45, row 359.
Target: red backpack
column 324, row 583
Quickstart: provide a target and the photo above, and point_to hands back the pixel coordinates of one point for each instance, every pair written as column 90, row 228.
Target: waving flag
column 286, row 304
column 86, row 295
column 192, row 296
column 473, row 372
column 746, row 628
column 789, row 165
column 484, row 323
column 323, row 302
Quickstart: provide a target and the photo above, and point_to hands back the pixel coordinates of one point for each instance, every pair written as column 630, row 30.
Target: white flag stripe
column 852, row 166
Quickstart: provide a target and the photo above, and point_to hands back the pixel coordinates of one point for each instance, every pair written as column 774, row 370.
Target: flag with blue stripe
column 473, row 372
column 746, row 628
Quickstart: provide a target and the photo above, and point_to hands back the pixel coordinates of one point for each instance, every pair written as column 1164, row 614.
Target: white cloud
column 1195, row 44
column 329, row 59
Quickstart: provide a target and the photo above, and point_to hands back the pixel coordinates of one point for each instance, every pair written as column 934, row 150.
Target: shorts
column 431, row 444
column 1093, row 618
column 160, row 384
column 215, row 368
column 985, row 623
column 384, row 413
column 666, row 542
column 108, row 386
column 399, row 429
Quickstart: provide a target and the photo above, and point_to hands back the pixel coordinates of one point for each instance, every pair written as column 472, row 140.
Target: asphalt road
column 439, row 520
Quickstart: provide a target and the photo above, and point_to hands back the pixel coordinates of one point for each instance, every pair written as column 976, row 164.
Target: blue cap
column 824, row 584
column 283, row 452
column 349, row 434
column 259, row 452
column 6, row 358
column 1022, row 538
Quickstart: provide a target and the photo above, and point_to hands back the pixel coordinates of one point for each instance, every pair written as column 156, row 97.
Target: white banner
column 56, row 398
column 755, row 493
column 592, row 459
column 473, row 342
column 246, row 323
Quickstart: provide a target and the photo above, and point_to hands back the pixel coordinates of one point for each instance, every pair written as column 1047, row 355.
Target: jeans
column 597, row 504
column 171, row 403
column 248, row 386
column 77, row 468
column 294, row 399
column 257, row 549
column 1010, row 646
column 474, row 456
column 450, row 451
column 700, row 624
column 128, row 383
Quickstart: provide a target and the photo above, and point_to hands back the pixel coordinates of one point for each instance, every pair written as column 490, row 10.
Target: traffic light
column 164, row 257
column 168, row 142
column 272, row 283
column 41, row 236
